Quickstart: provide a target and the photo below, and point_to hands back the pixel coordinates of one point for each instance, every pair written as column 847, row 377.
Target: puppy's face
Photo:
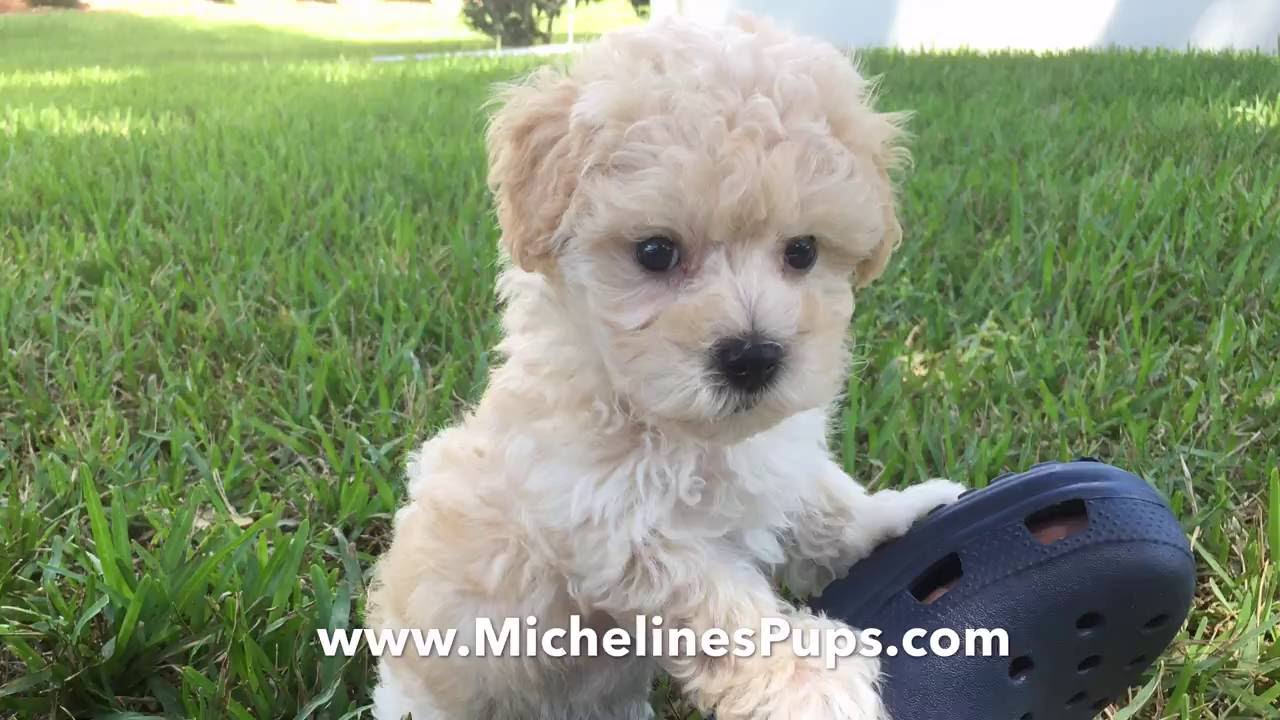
column 707, row 201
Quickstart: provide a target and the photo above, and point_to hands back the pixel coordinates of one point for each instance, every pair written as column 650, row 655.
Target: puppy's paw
column 848, row 692
column 849, row 699
column 931, row 493
column 902, row 508
column 804, row 688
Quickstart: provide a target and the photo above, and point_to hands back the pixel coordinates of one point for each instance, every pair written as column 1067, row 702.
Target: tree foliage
column 513, row 22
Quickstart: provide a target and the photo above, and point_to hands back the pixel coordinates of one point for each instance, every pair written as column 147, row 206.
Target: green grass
column 263, row 32
column 241, row 276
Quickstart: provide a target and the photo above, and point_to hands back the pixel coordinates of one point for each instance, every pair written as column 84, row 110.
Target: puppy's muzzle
column 748, row 364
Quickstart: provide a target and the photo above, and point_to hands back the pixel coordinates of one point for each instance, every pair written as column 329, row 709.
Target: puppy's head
column 705, row 201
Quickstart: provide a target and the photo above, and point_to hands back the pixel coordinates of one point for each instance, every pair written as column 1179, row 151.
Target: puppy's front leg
column 720, row 591
column 842, row 523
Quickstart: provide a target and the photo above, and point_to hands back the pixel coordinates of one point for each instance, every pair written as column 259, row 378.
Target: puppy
column 686, row 213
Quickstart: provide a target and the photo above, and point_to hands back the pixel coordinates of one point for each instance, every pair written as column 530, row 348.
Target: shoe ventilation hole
column 1058, row 522
column 1076, row 699
column 1140, row 660
column 1089, row 663
column 1089, row 621
column 1102, row 704
column 938, row 579
column 1156, row 622
column 1020, row 667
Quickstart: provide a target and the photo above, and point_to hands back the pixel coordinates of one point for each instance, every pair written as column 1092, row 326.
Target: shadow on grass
column 234, row 201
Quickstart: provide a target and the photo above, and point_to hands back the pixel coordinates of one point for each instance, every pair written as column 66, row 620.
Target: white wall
column 1023, row 24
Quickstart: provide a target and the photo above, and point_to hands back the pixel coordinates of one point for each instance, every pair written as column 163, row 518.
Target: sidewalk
column 535, row 50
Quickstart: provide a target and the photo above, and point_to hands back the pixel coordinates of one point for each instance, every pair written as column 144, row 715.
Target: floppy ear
column 888, row 155
column 533, row 164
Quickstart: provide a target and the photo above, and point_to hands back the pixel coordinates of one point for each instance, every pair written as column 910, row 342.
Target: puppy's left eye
column 801, row 252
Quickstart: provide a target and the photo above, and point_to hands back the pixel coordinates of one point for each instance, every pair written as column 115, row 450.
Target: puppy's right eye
column 657, row 254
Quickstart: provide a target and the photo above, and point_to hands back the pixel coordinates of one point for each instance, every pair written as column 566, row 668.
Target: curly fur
column 606, row 472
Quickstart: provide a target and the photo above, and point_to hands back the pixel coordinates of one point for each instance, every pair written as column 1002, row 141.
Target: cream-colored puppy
column 687, row 211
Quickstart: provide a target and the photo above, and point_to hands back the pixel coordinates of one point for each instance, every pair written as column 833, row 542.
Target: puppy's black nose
column 747, row 363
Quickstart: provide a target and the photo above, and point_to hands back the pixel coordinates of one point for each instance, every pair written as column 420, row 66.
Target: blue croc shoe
column 1081, row 563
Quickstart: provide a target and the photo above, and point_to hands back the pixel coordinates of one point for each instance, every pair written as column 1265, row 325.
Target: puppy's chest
column 745, row 496
column 738, row 497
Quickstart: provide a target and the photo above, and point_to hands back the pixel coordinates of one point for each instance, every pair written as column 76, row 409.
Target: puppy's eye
column 657, row 254
column 801, row 252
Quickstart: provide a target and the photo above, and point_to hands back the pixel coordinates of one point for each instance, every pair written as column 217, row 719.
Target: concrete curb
column 536, row 50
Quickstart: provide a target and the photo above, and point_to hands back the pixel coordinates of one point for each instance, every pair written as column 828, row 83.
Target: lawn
column 244, row 270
